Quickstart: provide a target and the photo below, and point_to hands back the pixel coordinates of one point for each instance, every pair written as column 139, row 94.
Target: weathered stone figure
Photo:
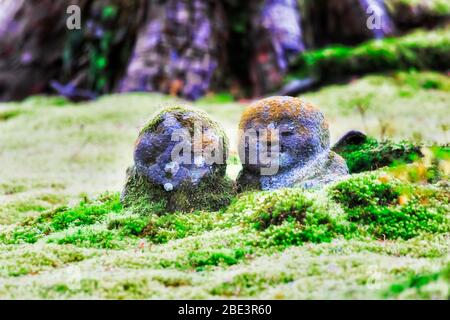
column 179, row 164
column 304, row 158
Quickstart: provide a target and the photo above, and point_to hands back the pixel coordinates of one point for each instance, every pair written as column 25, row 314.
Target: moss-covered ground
column 379, row 234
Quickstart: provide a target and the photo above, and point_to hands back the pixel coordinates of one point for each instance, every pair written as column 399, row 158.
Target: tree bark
column 31, row 41
column 180, row 47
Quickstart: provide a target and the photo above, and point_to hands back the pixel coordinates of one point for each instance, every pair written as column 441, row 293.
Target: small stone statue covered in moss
column 292, row 139
column 179, row 165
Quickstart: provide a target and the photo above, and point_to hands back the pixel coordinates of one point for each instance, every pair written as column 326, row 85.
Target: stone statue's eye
column 287, row 133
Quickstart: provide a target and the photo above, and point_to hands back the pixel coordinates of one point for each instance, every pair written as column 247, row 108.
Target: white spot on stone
column 172, row 167
column 199, row 161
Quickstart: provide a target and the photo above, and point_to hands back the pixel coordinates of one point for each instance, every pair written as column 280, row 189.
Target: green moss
column 441, row 152
column 422, row 80
column 46, row 101
column 372, row 154
column 386, row 208
column 403, row 222
column 131, row 226
column 173, row 282
column 272, row 208
column 429, row 9
column 85, row 214
column 88, row 212
column 249, row 284
column 423, row 286
column 366, row 190
column 431, row 169
column 12, row 188
column 289, row 217
column 21, row 235
column 213, row 193
column 224, row 257
column 129, row 289
column 161, row 229
column 6, row 115
column 217, row 98
column 28, row 206
column 420, row 50
column 86, row 238
column 32, row 262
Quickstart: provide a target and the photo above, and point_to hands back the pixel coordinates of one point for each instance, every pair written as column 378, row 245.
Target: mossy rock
column 163, row 180
column 144, row 197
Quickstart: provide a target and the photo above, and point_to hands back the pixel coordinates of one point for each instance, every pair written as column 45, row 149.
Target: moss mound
column 163, row 228
column 86, row 213
column 372, row 154
column 373, row 205
column 434, row 285
column 386, row 208
column 420, row 50
column 143, row 197
column 288, row 217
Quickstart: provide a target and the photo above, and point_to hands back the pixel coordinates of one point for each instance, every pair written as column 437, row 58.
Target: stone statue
column 299, row 146
column 179, row 164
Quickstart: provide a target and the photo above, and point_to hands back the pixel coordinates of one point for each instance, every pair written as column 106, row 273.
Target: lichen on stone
column 304, row 158
column 179, row 164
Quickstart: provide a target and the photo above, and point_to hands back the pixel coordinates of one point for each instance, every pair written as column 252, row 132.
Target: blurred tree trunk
column 32, row 34
column 181, row 47
column 343, row 21
column 277, row 38
column 39, row 54
column 95, row 57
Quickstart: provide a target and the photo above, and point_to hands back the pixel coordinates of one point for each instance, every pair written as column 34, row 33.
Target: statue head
column 180, row 146
column 297, row 129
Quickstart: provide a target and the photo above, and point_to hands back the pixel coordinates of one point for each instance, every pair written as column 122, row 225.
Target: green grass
column 61, row 236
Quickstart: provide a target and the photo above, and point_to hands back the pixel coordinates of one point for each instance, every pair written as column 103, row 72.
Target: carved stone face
column 301, row 131
column 166, row 154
